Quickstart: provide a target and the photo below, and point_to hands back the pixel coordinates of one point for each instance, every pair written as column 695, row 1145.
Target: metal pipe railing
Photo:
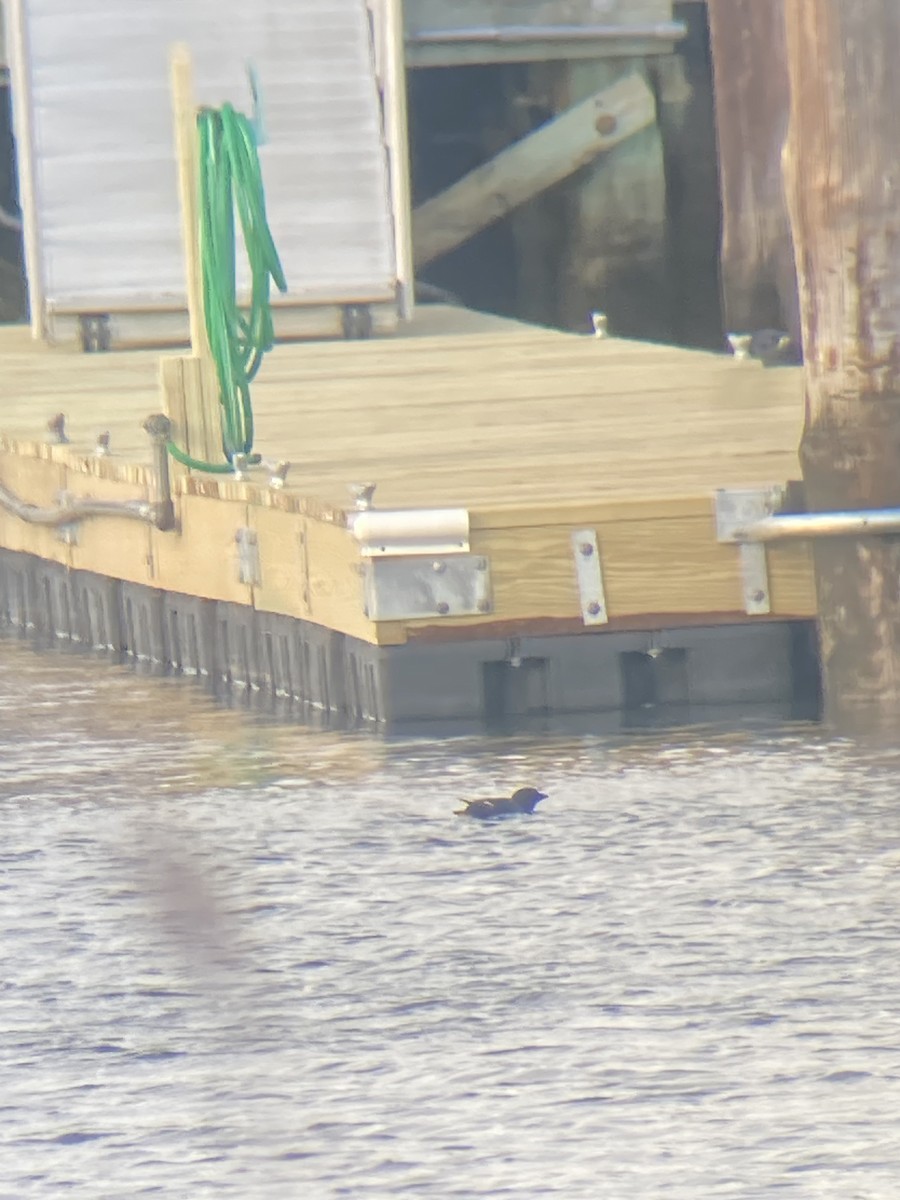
column 661, row 31
column 158, row 511
column 791, row 526
column 159, row 429
column 71, row 509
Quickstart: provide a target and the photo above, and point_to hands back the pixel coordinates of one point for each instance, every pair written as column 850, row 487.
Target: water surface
column 251, row 960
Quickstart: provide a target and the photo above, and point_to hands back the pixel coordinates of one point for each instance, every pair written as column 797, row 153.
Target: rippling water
column 250, row 960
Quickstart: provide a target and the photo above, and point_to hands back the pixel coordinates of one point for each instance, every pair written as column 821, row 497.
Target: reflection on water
column 262, row 960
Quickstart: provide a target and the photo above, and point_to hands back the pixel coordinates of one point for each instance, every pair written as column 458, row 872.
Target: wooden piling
column 759, row 287
column 843, row 179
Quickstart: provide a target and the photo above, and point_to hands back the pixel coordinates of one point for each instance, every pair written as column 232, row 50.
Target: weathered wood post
column 842, row 172
column 188, row 383
column 752, row 100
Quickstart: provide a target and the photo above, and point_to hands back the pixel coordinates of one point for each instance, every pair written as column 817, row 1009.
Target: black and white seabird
column 525, row 800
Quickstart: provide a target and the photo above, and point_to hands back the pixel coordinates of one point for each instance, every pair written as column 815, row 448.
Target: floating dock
column 455, row 515
column 542, row 536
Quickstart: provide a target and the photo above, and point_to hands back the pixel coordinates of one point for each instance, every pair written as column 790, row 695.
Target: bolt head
column 594, row 608
column 443, row 608
column 586, row 549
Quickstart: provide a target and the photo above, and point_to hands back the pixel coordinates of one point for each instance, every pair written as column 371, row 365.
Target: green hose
column 230, row 179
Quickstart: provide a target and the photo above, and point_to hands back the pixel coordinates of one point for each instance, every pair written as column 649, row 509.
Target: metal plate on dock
column 755, row 579
column 457, row 585
column 248, row 566
column 588, row 572
column 736, row 510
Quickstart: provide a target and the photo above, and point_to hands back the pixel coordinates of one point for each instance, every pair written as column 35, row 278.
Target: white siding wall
column 104, row 216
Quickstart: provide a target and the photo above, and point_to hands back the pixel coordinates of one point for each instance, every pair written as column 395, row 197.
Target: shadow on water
column 667, row 718
column 263, row 706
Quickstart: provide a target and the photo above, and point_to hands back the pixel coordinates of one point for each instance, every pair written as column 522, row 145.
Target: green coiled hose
column 230, row 180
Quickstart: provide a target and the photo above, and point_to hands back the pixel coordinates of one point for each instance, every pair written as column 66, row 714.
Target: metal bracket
column 356, row 322
column 248, row 557
column 67, row 532
column 398, row 589
column 96, row 336
column 736, row 509
column 57, row 429
column 589, row 573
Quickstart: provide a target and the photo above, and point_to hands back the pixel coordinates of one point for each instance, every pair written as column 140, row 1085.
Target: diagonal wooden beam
column 552, row 152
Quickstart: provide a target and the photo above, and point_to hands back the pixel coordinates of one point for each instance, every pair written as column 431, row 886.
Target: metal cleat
column 362, row 494
column 57, row 428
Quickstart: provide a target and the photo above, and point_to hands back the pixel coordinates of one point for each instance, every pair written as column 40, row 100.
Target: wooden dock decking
column 536, row 433
column 463, row 408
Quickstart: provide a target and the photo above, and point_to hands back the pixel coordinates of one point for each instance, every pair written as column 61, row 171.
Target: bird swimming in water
column 525, row 800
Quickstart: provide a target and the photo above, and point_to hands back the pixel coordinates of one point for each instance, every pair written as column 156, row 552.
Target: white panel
column 105, row 191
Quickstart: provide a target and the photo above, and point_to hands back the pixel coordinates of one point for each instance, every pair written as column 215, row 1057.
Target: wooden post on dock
column 842, row 174
column 189, row 385
column 752, row 103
